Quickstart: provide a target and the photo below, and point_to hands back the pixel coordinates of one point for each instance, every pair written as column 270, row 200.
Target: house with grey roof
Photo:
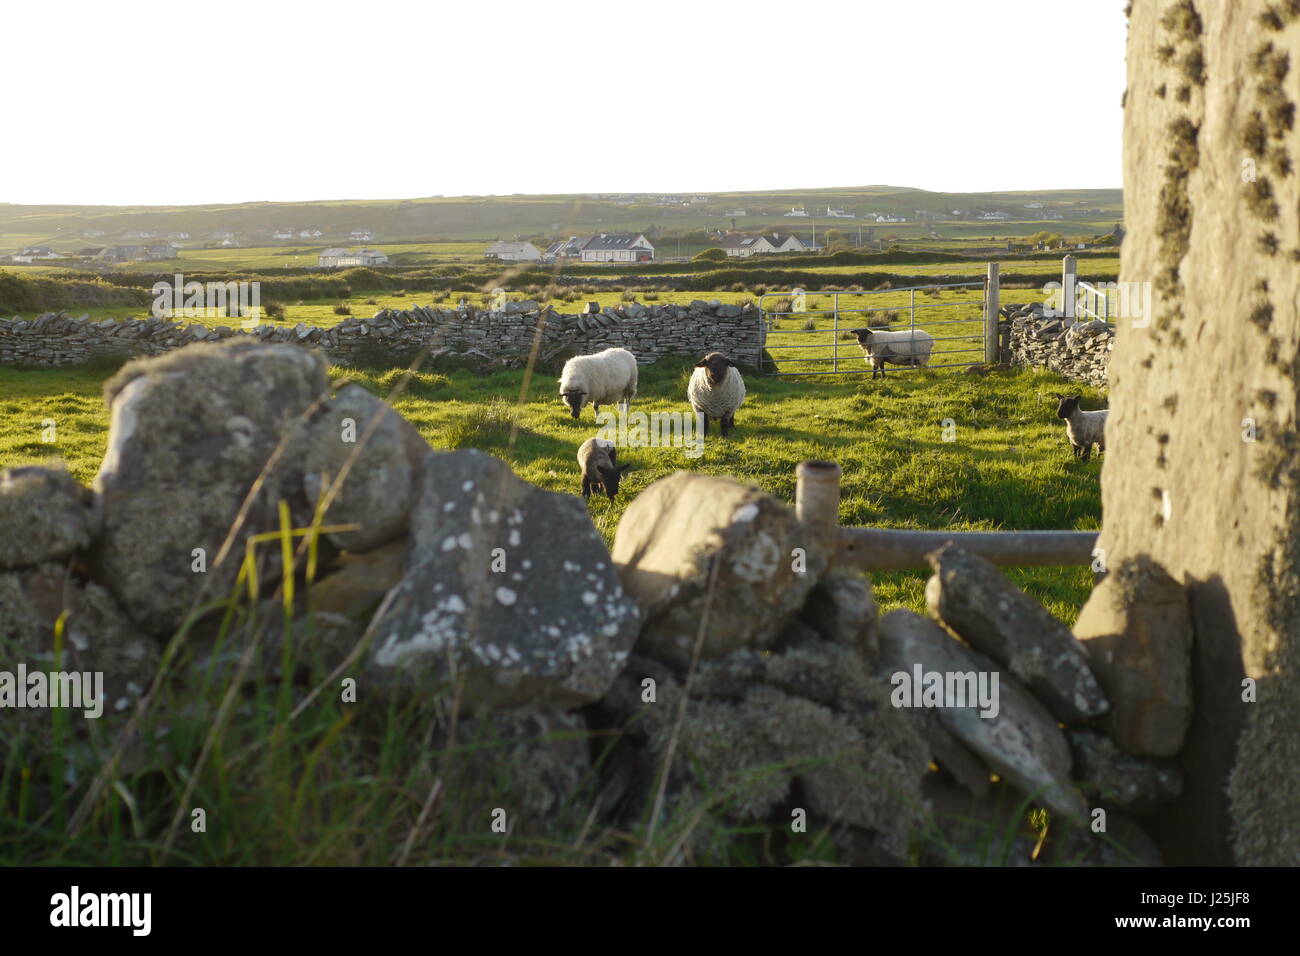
column 513, row 252
column 618, row 247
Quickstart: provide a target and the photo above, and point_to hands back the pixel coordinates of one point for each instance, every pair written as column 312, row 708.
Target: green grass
column 354, row 785
column 1008, row 468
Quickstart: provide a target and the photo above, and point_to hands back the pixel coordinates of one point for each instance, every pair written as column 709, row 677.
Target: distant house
column 1052, row 214
column 34, row 253
column 736, row 212
column 361, row 235
column 178, row 235
column 166, row 250
column 570, row 248
column 618, row 247
column 122, row 254
column 1033, row 205
column 282, row 234
column 514, row 252
column 138, row 234
column 223, row 235
column 797, row 211
column 229, row 244
column 346, row 258
column 888, row 217
column 743, row 246
column 309, row 234
column 993, row 216
column 835, row 213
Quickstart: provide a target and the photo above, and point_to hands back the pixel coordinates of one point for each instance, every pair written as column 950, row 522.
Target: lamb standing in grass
column 598, row 462
column 911, row 347
column 602, row 379
column 716, row 390
column 1084, row 429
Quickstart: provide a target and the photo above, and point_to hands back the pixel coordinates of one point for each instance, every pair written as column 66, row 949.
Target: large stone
column 381, row 457
column 1021, row 742
column 976, row 600
column 1137, row 629
column 842, row 609
column 192, row 433
column 1210, row 205
column 44, row 516
column 1108, row 774
column 96, row 638
column 673, row 535
column 508, row 587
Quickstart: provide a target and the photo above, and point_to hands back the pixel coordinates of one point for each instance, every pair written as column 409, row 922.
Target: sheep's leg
column 586, row 488
column 725, row 425
column 1086, row 453
column 705, row 430
column 731, row 421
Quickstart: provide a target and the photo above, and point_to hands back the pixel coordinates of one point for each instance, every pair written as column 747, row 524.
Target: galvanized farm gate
column 799, row 336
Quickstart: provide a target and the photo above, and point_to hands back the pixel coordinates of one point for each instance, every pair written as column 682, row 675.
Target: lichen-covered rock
column 810, row 713
column 1107, row 773
column 976, row 600
column 44, row 516
column 191, row 434
column 97, row 638
column 1021, row 742
column 506, row 586
column 843, row 609
column 382, row 460
column 667, row 543
column 1137, row 630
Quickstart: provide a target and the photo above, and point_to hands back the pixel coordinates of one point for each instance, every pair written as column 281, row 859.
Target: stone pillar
column 1202, row 469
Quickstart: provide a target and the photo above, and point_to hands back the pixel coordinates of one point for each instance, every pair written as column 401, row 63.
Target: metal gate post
column 835, row 340
column 992, row 296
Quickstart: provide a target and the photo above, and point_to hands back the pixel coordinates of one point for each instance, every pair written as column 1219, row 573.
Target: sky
column 140, row 102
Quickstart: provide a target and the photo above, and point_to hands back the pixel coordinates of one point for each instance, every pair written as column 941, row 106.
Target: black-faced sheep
column 1084, row 429
column 598, row 463
column 911, row 347
column 716, row 390
column 601, row 379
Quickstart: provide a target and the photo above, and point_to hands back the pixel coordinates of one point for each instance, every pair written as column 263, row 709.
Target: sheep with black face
column 1083, row 429
column 716, row 390
column 601, row 379
column 910, row 347
column 598, row 463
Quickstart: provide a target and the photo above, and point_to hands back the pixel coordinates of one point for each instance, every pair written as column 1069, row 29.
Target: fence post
column 817, row 500
column 992, row 305
column 1069, row 275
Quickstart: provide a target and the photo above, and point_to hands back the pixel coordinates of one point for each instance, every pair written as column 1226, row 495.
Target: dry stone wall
column 1038, row 338
column 650, row 332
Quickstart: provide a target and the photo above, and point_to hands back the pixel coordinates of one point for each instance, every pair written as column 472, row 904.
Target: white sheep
column 1084, row 429
column 716, row 390
column 598, row 463
column 910, row 347
column 603, row 378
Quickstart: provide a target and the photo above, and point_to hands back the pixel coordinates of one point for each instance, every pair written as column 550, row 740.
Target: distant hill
column 68, row 228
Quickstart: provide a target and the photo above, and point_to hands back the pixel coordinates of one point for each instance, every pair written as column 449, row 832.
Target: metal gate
column 810, row 333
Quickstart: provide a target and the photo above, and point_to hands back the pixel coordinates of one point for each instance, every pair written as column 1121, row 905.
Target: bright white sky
column 232, row 101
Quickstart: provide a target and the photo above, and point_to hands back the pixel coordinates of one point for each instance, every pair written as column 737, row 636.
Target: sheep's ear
column 624, row 469
column 701, row 364
column 730, row 363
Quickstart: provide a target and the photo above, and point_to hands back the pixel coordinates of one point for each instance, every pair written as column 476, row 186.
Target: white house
column 282, row 234
column 339, row 258
column 228, row 243
column 178, row 235
column 838, row 213
column 139, row 234
column 361, row 235
column 223, row 235
column 618, row 247
column 743, row 246
column 34, row 253
column 993, row 215
column 736, row 212
column 889, row 217
column 514, row 252
column 797, row 211
column 309, row 234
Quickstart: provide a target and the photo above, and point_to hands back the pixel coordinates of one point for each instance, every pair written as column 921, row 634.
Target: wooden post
column 992, row 305
column 817, row 500
column 1069, row 276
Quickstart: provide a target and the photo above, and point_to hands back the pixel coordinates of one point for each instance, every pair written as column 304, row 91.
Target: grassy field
column 333, row 784
column 1008, row 467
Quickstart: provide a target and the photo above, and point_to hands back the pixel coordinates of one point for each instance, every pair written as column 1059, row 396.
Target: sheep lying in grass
column 1084, row 429
column 911, row 347
column 716, row 390
column 598, row 463
column 602, row 379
